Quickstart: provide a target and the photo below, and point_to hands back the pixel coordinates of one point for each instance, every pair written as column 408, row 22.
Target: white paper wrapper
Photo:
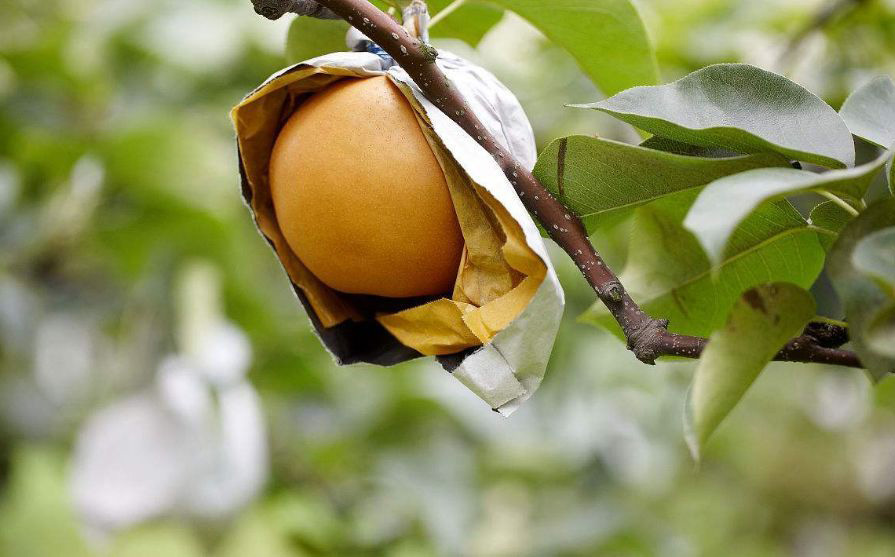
column 507, row 370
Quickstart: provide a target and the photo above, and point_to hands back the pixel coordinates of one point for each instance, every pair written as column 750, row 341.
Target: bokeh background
column 162, row 394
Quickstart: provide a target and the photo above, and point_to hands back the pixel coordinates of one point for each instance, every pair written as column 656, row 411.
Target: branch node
column 430, row 54
column 611, row 291
column 644, row 340
column 827, row 335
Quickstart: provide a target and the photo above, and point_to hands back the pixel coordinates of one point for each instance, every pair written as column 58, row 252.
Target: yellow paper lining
column 499, row 274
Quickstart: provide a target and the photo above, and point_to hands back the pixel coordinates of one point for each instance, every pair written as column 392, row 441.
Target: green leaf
column 384, row 5
column 310, row 37
column 880, row 332
column 830, row 218
column 890, row 173
column 606, row 37
column 724, row 203
column 669, row 275
column 468, row 23
column 862, row 295
column 397, row 4
column 738, row 107
column 869, row 112
column 760, row 323
column 660, row 143
column 597, row 177
column 874, row 255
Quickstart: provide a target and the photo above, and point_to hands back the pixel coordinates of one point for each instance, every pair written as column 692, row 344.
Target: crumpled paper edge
column 507, row 371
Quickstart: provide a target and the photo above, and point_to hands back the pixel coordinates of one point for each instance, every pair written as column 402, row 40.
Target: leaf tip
column 694, row 447
column 693, row 439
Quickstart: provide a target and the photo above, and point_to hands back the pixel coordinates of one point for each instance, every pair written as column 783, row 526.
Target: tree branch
column 804, row 348
column 647, row 337
column 275, row 9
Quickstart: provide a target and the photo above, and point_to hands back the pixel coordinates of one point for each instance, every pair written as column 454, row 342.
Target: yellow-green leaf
column 598, row 178
column 606, row 37
column 863, row 295
column 760, row 323
column 724, row 203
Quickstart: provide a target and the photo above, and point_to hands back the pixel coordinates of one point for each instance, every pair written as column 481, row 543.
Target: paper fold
column 515, row 324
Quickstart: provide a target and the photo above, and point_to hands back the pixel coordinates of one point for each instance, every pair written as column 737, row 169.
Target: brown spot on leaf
column 561, row 166
column 754, row 299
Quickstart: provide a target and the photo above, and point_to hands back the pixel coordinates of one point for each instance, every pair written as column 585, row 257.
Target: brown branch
column 803, row 348
column 275, row 9
column 647, row 337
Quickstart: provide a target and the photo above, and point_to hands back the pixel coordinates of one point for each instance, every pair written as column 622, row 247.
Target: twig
column 275, row 9
column 648, row 338
column 817, row 344
column 446, row 11
column 840, row 202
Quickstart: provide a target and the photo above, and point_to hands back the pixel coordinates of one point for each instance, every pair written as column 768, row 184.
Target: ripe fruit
column 359, row 195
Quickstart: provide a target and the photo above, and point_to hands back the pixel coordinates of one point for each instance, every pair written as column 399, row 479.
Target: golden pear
column 359, row 195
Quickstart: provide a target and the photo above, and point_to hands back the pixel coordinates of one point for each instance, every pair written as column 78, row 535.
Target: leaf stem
column 448, row 10
column 821, row 230
column 839, row 201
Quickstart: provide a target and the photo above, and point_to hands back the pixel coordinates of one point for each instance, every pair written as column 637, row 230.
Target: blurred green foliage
column 118, row 169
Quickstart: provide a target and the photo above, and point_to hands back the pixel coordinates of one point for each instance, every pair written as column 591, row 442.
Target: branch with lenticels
column 648, row 338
